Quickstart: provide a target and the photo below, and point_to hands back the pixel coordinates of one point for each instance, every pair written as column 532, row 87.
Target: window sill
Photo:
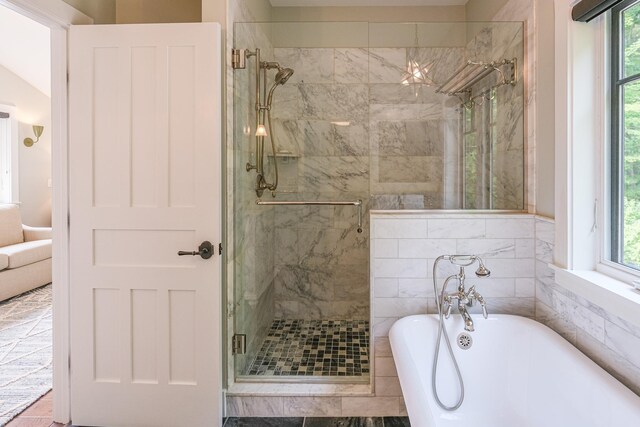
column 611, row 294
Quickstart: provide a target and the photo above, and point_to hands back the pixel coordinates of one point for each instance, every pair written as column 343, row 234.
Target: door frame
column 58, row 16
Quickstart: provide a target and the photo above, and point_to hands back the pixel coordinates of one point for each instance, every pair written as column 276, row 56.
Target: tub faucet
column 464, row 298
column 463, row 302
column 468, row 321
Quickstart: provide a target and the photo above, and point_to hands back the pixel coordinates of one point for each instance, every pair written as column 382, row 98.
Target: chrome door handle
column 205, row 250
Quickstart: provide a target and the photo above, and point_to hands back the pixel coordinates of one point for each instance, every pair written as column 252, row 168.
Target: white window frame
column 606, row 265
column 12, row 153
column 582, row 137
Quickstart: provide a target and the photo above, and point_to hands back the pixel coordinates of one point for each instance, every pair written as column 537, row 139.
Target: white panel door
column 145, row 172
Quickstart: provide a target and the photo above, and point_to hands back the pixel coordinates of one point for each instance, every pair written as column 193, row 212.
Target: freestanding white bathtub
column 517, row 373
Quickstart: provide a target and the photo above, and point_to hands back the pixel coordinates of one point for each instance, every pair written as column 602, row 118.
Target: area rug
column 25, row 351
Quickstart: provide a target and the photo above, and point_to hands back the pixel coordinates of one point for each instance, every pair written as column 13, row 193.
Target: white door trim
column 58, row 16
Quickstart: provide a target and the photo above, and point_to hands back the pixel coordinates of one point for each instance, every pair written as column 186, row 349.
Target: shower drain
column 464, row 341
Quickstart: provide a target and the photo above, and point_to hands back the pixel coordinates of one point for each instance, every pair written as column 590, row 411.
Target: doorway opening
column 26, row 300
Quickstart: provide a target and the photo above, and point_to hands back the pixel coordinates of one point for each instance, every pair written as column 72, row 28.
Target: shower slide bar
column 356, row 203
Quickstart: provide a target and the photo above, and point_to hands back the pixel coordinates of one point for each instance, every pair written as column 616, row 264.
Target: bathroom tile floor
column 314, row 348
column 318, row 422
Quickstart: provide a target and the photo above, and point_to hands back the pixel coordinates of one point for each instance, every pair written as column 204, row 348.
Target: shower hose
column 273, row 186
column 442, row 331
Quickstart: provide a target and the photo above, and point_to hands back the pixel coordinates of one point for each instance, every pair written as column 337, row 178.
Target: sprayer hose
column 442, row 331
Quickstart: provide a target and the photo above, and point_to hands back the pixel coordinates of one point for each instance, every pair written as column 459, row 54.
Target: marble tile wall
column 404, row 248
column 315, row 406
column 605, row 338
column 321, row 115
column 410, row 127
column 496, row 125
column 524, row 11
column 355, row 132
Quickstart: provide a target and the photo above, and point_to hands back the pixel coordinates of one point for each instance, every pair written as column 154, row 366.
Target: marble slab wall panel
column 315, row 406
column 409, row 128
column 524, row 11
column 497, row 124
column 321, row 116
column 605, row 338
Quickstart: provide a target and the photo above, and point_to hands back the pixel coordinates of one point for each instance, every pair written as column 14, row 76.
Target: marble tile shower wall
column 251, row 258
column 501, row 127
column 608, row 340
column 353, row 131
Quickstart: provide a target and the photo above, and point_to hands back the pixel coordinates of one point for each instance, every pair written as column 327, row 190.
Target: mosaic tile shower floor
column 326, row 348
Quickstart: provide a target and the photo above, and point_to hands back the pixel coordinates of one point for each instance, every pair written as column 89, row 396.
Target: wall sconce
column 37, row 131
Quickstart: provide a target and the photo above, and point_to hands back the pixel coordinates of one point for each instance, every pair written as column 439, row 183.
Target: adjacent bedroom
column 25, row 213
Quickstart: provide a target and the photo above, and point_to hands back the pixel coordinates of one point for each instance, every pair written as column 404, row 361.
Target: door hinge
column 68, row 220
column 239, row 344
column 220, row 248
column 238, row 59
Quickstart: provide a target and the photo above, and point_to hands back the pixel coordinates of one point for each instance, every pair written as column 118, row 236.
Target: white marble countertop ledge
column 447, row 214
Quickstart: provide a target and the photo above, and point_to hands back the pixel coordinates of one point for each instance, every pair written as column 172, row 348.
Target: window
column 625, row 135
column 8, row 155
column 5, row 158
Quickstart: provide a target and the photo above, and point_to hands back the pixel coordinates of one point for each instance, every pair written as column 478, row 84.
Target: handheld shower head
column 482, row 271
column 283, row 75
column 467, row 260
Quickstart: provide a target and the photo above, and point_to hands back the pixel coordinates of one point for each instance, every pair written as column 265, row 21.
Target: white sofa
column 25, row 254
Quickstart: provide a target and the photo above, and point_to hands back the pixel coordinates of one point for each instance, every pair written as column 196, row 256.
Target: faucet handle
column 448, row 312
column 446, row 306
column 483, row 304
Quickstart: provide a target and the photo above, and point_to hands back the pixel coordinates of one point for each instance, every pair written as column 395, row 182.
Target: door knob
column 205, row 250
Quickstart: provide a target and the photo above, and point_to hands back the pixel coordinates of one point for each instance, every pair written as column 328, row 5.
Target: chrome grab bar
column 356, row 203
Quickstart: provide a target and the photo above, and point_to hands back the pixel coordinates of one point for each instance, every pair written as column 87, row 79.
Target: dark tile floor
column 318, row 422
column 314, row 348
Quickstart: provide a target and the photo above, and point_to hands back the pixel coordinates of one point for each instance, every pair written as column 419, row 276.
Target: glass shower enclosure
column 374, row 116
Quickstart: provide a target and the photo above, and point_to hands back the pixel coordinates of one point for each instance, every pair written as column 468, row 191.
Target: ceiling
column 25, row 49
column 281, row 3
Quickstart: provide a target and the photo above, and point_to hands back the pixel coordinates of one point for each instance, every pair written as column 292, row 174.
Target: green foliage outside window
column 631, row 147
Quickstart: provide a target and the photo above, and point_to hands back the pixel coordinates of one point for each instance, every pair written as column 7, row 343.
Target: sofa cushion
column 10, row 225
column 26, row 253
column 4, row 261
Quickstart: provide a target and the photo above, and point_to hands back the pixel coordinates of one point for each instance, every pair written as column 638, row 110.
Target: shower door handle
column 205, row 250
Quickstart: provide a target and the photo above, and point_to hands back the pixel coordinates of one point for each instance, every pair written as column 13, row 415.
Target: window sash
column 616, row 162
